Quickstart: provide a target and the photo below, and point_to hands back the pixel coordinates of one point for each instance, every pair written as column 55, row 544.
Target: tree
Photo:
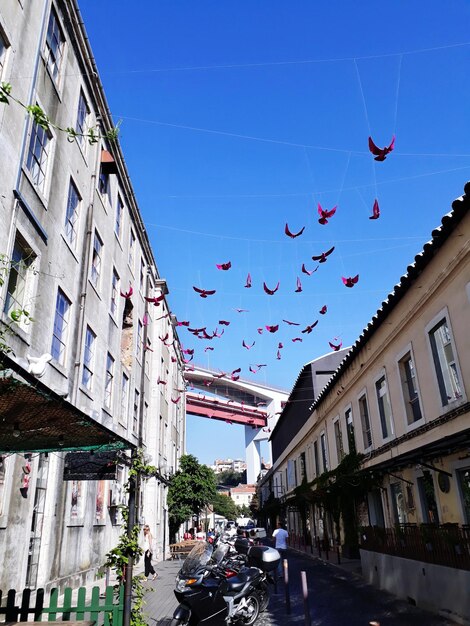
column 224, row 505
column 229, row 478
column 191, row 489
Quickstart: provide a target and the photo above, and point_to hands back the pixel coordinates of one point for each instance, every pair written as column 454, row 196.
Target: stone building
column 83, row 309
column 392, row 425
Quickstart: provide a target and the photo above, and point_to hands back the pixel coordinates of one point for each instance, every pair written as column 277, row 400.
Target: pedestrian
column 200, row 535
column 281, row 536
column 147, row 547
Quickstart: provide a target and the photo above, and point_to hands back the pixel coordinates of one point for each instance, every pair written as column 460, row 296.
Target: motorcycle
column 212, row 593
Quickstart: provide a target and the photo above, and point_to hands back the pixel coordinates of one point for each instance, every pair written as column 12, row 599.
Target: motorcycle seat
column 239, row 581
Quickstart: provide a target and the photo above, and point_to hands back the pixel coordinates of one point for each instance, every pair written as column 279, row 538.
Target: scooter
column 209, row 593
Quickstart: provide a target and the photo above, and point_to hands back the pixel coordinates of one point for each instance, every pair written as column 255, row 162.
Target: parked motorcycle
column 212, row 593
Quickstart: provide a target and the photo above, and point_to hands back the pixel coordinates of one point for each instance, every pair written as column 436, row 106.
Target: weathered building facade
column 80, row 292
column 393, row 426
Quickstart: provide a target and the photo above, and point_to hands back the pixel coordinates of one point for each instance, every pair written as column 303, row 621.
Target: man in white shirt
column 281, row 535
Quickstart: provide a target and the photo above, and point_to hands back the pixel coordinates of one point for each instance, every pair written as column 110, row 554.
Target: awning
column 33, row 418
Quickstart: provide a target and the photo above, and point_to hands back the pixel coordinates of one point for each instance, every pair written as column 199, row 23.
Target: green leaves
column 5, row 91
column 38, row 115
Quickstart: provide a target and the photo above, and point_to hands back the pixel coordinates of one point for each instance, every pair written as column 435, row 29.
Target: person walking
column 281, row 536
column 147, row 547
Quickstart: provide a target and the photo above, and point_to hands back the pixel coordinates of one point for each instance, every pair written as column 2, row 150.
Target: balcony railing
column 447, row 544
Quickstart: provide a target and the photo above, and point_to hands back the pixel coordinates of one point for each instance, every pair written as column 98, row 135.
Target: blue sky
column 238, row 117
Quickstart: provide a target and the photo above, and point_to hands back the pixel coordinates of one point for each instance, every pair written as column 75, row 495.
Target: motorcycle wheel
column 178, row 622
column 253, row 611
column 263, row 597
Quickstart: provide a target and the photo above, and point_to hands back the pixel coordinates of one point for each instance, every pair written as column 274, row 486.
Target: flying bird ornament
column 295, row 339
column 308, row 272
column 156, row 300
column 381, row 153
column 278, row 355
column 375, row 211
column 323, row 310
column 308, row 329
column 298, row 288
column 204, row 292
column 270, row 292
column 224, row 266
column 291, row 323
column 245, row 345
column 322, row 258
column 127, row 294
column 293, row 235
column 224, row 323
column 335, row 347
column 260, row 331
column 248, row 281
column 272, row 329
column 350, row 281
column 325, row 214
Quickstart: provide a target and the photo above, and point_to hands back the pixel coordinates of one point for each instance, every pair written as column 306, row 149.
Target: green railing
column 103, row 610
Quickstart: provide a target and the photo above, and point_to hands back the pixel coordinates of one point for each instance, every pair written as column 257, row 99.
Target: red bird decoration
column 248, row 281
column 234, row 374
column 375, row 211
column 322, row 257
column 187, row 350
column 293, row 235
column 204, row 292
column 182, row 323
column 127, row 294
column 272, row 329
column 323, row 310
column 221, row 375
column 260, row 365
column 296, row 339
column 242, row 310
column 145, row 320
column 306, row 271
column 291, row 323
column 260, row 331
column 298, row 289
column 280, row 345
column 308, row 329
column 253, row 369
column 208, row 348
column 245, row 345
column 270, row 292
column 156, row 301
column 324, row 214
column 335, row 347
column 224, row 323
column 224, row 266
column 160, row 381
column 176, row 400
column 278, row 355
column 351, row 281
column 381, row 153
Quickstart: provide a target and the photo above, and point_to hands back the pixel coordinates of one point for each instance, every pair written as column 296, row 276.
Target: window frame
column 4, row 57
column 71, row 227
column 338, row 433
column 82, row 122
column 26, row 272
column 109, row 380
column 31, row 161
column 350, row 432
column 407, row 403
column 124, row 399
column 324, row 451
column 62, row 340
column 56, row 78
column 89, row 359
column 113, row 304
column 119, row 217
column 381, row 408
column 96, row 254
column 361, row 395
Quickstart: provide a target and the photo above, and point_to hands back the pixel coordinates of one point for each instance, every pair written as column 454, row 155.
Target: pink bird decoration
column 278, row 355
column 323, row 310
column 221, row 375
column 306, row 271
column 351, row 281
column 272, row 329
column 163, row 339
column 381, row 153
column 147, row 347
column 234, row 375
column 298, row 289
column 188, row 351
column 156, row 301
column 293, row 235
column 324, row 214
column 242, row 310
column 308, row 329
column 296, row 339
column 224, row 323
column 335, row 347
column 253, row 370
column 322, row 257
column 127, row 294
column 173, row 359
column 208, row 348
column 291, row 323
column 182, row 323
column 160, row 381
column 280, row 346
column 270, row 292
column 224, row 266
column 245, row 345
column 375, row 211
column 145, row 319
column 204, row 292
column 248, row 281
column 260, row 331
column 260, row 365
column 176, row 400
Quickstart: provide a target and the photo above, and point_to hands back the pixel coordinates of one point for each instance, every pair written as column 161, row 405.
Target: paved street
column 336, row 598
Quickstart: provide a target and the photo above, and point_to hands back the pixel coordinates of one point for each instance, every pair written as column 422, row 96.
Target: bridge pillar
column 253, row 455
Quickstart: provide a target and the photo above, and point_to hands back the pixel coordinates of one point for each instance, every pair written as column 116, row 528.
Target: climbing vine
column 92, row 134
column 16, row 315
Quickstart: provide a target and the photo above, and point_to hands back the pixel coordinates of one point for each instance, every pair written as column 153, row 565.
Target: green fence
column 103, row 610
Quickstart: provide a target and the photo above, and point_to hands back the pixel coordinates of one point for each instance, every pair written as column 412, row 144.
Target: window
column 72, row 213
column 55, row 44
column 409, row 386
column 114, row 291
column 61, row 324
column 3, row 478
column 22, row 259
column 3, row 52
column 38, row 155
column 365, row 422
column 339, row 440
column 119, row 213
column 124, row 398
column 398, row 503
column 142, row 274
column 135, row 412
column 444, row 362
column 427, row 496
column 104, row 185
column 324, row 454
column 385, row 410
column 96, row 260
column 131, row 250
column 350, row 430
column 464, row 484
column 316, row 459
column 88, row 359
column 109, row 381
column 83, row 113
column 139, row 346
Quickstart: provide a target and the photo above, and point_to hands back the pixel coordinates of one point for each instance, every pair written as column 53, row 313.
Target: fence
column 447, row 545
column 104, row 611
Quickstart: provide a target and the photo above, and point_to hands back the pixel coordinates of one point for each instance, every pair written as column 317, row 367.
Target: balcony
column 447, row 544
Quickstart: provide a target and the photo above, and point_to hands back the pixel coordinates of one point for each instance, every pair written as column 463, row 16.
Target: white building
column 79, row 262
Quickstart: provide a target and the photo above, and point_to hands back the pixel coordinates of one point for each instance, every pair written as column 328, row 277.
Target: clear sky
column 240, row 117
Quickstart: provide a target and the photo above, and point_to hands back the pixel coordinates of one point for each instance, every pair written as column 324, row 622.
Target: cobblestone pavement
column 336, row 598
